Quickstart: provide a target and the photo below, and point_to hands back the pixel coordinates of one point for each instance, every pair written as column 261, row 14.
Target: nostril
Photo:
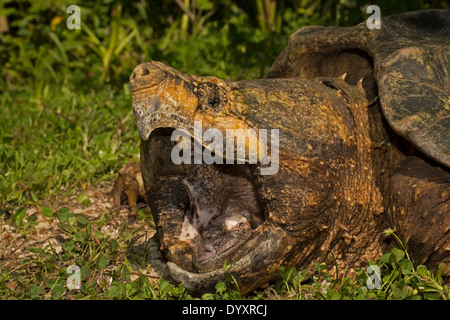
column 145, row 72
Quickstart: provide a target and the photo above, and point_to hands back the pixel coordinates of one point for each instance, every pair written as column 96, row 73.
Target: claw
column 129, row 184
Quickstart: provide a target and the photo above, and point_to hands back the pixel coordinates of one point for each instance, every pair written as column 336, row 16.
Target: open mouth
column 204, row 212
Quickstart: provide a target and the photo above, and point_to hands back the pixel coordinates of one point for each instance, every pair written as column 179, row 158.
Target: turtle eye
column 210, row 96
column 213, row 102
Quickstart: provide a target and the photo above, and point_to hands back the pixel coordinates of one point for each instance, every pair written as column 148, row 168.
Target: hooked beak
column 157, row 92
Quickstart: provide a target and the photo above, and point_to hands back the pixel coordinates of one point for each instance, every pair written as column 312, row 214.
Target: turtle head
column 247, row 172
column 206, row 206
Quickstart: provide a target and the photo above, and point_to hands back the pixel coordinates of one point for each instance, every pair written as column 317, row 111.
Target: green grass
column 70, row 139
column 106, row 265
column 66, row 125
column 398, row 279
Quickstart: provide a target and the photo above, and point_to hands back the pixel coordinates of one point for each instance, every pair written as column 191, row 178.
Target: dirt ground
column 13, row 244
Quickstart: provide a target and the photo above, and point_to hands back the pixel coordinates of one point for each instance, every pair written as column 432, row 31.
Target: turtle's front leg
column 419, row 211
column 129, row 185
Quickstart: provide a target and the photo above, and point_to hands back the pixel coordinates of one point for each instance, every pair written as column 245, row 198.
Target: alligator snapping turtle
column 363, row 118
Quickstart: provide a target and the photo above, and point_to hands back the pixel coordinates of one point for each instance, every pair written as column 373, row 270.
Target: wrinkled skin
column 343, row 174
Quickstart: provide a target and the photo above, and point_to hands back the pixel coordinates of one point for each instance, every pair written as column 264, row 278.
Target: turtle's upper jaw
column 165, row 97
column 156, row 93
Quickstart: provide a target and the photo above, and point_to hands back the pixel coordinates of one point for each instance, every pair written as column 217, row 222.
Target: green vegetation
column 398, row 279
column 66, row 124
column 109, row 270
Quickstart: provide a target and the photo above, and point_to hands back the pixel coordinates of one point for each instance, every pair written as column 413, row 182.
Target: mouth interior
column 223, row 207
column 219, row 203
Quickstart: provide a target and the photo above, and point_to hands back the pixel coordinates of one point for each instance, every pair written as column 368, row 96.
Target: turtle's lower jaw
column 205, row 215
